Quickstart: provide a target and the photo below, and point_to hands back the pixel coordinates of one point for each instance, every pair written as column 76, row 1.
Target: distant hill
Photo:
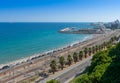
column 105, row 67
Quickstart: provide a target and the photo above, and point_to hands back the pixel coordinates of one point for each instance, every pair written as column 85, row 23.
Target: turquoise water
column 18, row 40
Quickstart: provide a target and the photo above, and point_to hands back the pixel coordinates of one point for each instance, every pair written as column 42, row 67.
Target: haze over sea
column 19, row 40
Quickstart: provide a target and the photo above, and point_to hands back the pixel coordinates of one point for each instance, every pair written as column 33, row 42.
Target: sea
column 20, row 40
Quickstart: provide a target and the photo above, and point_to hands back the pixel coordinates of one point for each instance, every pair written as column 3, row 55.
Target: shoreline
column 29, row 68
column 46, row 53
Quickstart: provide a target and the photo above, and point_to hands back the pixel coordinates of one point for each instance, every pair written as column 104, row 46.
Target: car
column 43, row 75
column 5, row 67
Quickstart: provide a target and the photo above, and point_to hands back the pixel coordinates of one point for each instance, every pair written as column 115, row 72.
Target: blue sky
column 59, row 10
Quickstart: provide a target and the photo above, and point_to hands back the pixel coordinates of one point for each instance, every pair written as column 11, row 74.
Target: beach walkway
column 70, row 72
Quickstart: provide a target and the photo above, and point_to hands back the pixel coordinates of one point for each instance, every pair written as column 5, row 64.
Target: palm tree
column 112, row 39
column 80, row 55
column 93, row 49
column 99, row 47
column 86, row 52
column 62, row 61
column 117, row 38
column 108, row 44
column 90, row 51
column 104, row 45
column 53, row 66
column 96, row 48
column 69, row 58
column 75, row 57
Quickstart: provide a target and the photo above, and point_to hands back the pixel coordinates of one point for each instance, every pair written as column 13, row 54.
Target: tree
column 112, row 39
column 69, row 58
column 62, row 61
column 86, row 52
column 53, row 81
column 99, row 47
column 90, row 51
column 80, row 55
column 53, row 66
column 104, row 45
column 96, row 48
column 108, row 44
column 75, row 57
column 93, row 49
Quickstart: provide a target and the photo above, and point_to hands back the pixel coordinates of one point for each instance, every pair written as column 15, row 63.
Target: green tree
column 69, row 58
column 75, row 57
column 80, row 55
column 90, row 51
column 86, row 52
column 112, row 39
column 62, row 61
column 99, row 47
column 53, row 66
column 53, row 81
column 93, row 49
column 96, row 48
column 104, row 45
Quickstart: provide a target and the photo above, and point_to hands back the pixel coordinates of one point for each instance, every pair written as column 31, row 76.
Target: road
column 73, row 72
column 70, row 72
column 64, row 76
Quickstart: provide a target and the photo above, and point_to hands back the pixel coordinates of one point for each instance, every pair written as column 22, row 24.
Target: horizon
column 59, row 21
column 59, row 11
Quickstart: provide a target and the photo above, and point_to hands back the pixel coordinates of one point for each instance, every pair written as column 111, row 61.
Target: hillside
column 105, row 67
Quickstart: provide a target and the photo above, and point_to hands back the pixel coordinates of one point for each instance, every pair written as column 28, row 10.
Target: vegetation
column 86, row 52
column 53, row 81
column 105, row 66
column 75, row 57
column 80, row 55
column 53, row 66
column 62, row 62
column 69, row 58
column 90, row 51
column 96, row 48
column 93, row 49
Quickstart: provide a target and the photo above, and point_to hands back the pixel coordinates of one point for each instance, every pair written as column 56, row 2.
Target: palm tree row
column 82, row 54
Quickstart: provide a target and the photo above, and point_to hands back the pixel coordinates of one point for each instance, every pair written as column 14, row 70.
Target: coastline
column 46, row 53
column 26, row 69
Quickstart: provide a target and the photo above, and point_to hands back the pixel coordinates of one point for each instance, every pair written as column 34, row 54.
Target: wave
column 24, row 59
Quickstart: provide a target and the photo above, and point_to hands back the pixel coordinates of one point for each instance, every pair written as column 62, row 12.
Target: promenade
column 68, row 73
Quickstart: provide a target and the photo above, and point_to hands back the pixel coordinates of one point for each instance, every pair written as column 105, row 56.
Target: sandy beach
column 47, row 53
column 41, row 61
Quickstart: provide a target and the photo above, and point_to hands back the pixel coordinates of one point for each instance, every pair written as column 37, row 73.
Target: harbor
column 98, row 28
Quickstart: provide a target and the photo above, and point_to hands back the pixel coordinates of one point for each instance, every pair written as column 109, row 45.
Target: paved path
column 69, row 72
column 64, row 78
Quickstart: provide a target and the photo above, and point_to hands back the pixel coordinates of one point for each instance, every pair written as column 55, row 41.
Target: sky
column 59, row 10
